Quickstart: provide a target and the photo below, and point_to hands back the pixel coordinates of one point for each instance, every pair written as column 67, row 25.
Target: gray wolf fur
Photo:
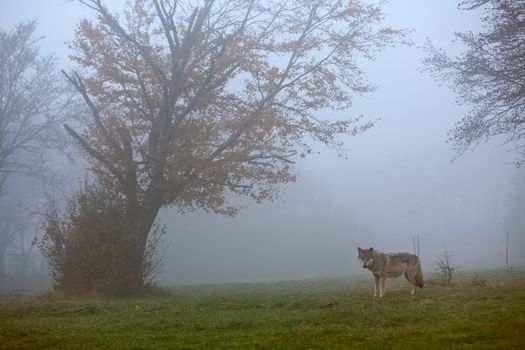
column 391, row 265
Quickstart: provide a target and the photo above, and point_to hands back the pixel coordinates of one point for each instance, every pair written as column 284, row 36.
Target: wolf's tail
column 419, row 275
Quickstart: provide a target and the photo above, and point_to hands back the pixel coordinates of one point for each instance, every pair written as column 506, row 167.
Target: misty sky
column 397, row 182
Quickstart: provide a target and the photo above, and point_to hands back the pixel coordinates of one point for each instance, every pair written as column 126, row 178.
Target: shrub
column 91, row 248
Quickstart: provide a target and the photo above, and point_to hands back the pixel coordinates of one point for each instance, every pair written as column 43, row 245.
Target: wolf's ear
column 371, row 250
column 359, row 249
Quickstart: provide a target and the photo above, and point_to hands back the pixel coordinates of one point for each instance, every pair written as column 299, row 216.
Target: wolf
column 391, row 265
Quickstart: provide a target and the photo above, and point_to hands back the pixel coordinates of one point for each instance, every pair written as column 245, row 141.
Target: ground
column 482, row 310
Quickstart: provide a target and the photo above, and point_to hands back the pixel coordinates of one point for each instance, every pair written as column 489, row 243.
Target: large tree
column 194, row 103
column 33, row 104
column 489, row 75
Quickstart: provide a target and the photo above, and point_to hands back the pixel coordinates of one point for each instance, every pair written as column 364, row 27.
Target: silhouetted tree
column 490, row 75
column 190, row 104
column 11, row 224
column 514, row 221
column 444, row 266
column 17, row 234
column 34, row 102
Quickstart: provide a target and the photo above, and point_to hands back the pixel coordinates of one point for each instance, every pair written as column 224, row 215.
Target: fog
column 399, row 180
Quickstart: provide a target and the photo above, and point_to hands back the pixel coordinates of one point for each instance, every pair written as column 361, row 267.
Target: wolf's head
column 366, row 256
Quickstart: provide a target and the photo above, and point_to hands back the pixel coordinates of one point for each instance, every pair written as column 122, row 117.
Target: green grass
column 311, row 314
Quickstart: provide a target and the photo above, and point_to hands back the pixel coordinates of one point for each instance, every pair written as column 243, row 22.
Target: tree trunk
column 3, row 246
column 142, row 225
column 2, row 264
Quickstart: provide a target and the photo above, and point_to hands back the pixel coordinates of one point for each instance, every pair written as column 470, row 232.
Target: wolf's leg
column 376, row 286
column 382, row 280
column 411, row 278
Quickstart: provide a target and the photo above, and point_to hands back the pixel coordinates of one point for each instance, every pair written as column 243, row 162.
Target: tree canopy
column 187, row 102
column 33, row 103
column 489, row 75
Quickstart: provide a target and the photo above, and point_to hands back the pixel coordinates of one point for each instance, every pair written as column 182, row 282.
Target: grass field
column 483, row 310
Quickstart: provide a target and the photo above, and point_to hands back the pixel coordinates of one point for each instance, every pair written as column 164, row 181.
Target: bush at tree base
column 90, row 248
